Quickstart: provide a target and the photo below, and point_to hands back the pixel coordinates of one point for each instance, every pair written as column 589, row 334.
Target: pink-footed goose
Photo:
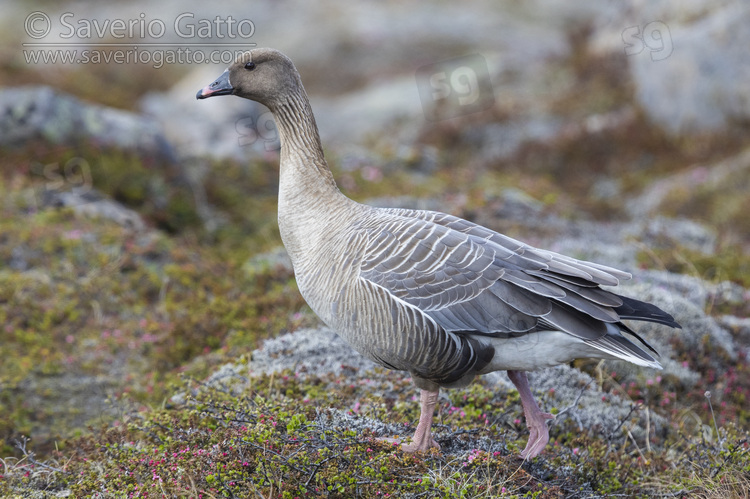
column 426, row 292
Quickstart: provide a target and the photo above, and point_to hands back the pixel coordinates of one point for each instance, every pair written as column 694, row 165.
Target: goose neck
column 301, row 149
column 308, row 196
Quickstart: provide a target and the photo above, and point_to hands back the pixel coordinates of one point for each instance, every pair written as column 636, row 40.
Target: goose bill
column 220, row 87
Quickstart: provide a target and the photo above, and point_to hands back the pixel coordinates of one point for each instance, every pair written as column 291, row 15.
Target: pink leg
column 423, row 436
column 536, row 420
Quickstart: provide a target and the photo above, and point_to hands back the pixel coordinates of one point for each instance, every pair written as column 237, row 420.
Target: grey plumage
column 422, row 291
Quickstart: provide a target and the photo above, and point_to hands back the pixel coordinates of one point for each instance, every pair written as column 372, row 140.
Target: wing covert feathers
column 473, row 281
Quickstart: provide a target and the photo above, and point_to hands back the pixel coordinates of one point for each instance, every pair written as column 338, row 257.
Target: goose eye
column 250, row 66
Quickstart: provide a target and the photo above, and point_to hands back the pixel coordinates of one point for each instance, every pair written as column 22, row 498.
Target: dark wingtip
column 641, row 311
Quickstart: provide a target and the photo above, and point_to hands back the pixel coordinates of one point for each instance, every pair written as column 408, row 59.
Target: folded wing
column 472, row 280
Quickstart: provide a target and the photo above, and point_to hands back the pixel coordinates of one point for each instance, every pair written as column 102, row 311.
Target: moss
column 264, row 442
column 151, row 184
column 728, row 263
column 83, row 297
column 722, row 204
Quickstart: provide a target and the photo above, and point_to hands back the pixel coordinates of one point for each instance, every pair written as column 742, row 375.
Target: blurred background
column 138, row 237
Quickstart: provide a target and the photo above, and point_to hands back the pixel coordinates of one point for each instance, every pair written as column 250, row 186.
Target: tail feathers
column 641, row 311
column 620, row 347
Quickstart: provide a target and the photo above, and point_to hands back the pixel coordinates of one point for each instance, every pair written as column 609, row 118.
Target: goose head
column 264, row 75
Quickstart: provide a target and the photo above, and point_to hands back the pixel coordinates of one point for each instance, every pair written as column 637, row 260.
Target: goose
column 426, row 292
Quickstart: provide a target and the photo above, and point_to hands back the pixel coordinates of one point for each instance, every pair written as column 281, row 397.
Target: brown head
column 263, row 75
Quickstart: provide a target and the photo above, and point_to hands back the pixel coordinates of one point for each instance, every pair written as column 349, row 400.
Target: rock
column 18, row 258
column 72, row 400
column 276, row 259
column 38, row 112
column 499, row 141
column 164, row 195
column 371, row 110
column 728, row 293
column 577, row 394
column 515, row 203
column 91, row 203
column 692, row 288
column 606, row 188
column 690, row 314
column 739, row 326
column 228, row 371
column 687, row 60
column 700, row 88
column 336, row 418
column 602, row 243
column 722, row 180
column 657, row 231
column 309, row 352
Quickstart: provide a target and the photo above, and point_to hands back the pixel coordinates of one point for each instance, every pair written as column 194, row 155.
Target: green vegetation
column 108, row 334
column 264, row 442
